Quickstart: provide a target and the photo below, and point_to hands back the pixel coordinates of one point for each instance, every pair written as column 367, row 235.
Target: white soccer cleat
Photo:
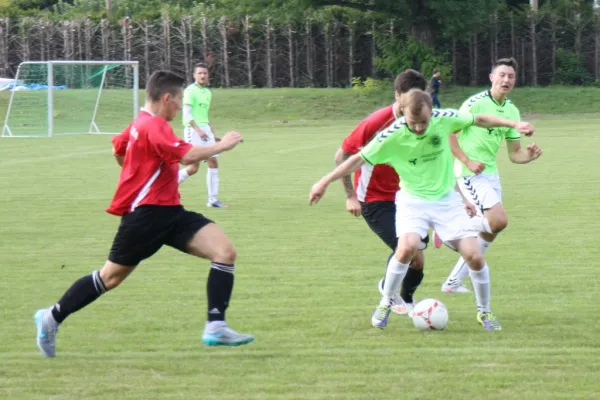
column 454, row 288
column 399, row 306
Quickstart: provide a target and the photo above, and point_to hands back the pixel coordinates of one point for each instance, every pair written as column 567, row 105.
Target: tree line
column 312, row 43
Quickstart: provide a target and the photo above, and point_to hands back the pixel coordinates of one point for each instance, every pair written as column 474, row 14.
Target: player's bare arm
column 187, row 111
column 346, row 168
column 491, row 121
column 474, row 166
column 200, row 153
column 519, row 155
column 352, row 203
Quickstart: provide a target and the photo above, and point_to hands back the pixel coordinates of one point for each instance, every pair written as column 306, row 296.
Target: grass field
column 306, row 276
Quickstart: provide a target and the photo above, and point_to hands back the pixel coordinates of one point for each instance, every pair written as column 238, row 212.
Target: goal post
column 48, row 98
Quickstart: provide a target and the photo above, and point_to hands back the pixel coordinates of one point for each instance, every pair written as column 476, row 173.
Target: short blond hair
column 415, row 100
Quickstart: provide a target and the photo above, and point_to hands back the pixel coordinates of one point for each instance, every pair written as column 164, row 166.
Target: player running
column 482, row 145
column 148, row 201
column 418, row 148
column 376, row 187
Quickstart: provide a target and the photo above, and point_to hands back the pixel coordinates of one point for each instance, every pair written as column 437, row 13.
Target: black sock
column 80, row 294
column 411, row 282
column 218, row 288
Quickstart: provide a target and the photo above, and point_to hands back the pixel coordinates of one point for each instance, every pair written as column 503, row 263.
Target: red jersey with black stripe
column 379, row 182
column 150, row 169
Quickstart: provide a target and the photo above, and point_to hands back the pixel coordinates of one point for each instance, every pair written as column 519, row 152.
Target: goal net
column 49, row 98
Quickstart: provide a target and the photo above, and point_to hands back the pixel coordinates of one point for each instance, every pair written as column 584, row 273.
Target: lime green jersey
column 423, row 162
column 199, row 99
column 482, row 144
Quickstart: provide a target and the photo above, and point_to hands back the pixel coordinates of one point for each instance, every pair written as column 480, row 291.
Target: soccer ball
column 430, row 314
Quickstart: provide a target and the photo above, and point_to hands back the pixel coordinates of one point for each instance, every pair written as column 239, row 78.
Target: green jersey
column 199, row 99
column 482, row 144
column 423, row 162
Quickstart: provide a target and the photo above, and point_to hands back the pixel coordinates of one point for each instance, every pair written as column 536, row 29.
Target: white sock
column 483, row 245
column 481, row 286
column 460, row 272
column 461, row 269
column 481, row 224
column 393, row 280
column 183, row 175
column 212, row 182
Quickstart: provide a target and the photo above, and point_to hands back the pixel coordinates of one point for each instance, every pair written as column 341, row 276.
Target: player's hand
column 475, row 166
column 353, row 206
column 525, row 128
column 202, row 135
column 230, row 140
column 471, row 209
column 317, row 192
column 534, row 151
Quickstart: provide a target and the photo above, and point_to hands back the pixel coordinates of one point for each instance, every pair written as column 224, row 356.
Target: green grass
column 306, row 276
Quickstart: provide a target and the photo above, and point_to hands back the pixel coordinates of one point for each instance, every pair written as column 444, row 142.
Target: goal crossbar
column 54, row 73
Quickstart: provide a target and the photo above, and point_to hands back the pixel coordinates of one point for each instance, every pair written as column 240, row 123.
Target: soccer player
column 482, row 145
column 418, row 148
column 198, row 131
column 376, row 186
column 148, row 201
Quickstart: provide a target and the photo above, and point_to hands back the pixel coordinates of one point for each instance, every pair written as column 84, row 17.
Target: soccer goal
column 50, row 98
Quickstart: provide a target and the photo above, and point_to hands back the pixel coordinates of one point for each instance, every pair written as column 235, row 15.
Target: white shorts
column 447, row 216
column 483, row 190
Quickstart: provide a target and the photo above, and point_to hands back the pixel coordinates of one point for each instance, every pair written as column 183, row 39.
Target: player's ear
column 491, row 75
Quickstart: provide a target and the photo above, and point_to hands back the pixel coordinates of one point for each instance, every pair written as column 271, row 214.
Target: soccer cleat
column 46, row 332
column 216, row 204
column 380, row 316
column 454, row 288
column 436, row 239
column 403, row 308
column 489, row 322
column 222, row 335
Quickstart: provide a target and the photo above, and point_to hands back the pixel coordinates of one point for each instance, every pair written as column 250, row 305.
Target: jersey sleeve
column 359, row 137
column 379, row 150
column 167, row 146
column 188, row 97
column 121, row 141
column 511, row 133
column 367, row 129
column 458, row 120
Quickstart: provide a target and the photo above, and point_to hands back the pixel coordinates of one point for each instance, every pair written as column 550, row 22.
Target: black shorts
column 381, row 218
column 145, row 230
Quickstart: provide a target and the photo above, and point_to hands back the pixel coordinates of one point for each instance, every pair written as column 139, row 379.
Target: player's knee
column 225, row 254
column 474, row 259
column 499, row 223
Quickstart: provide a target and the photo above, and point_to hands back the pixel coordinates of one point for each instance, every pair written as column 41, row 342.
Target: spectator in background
column 435, row 88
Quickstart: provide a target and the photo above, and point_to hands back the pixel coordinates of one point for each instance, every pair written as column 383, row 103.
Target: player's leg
column 135, row 241
column 212, row 182
column 200, row 237
column 481, row 191
column 412, row 224
column 212, row 174
column 451, row 222
column 380, row 217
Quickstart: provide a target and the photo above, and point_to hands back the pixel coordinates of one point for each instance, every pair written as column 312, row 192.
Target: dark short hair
column 409, row 79
column 161, row 83
column 436, row 70
column 200, row 65
column 416, row 100
column 509, row 62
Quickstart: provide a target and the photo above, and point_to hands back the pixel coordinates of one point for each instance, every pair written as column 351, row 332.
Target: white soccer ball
column 430, row 314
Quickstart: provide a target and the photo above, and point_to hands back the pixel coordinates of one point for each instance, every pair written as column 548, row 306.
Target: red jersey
column 379, row 182
column 150, row 169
